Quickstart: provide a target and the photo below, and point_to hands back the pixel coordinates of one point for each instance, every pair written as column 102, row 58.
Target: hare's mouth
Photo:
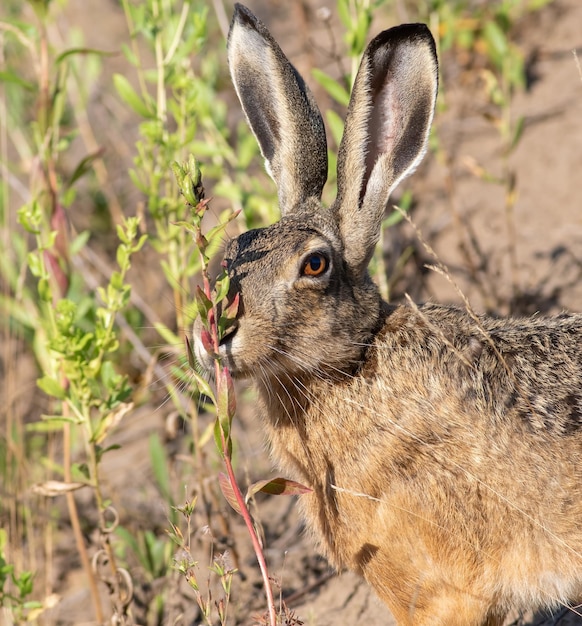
column 227, row 350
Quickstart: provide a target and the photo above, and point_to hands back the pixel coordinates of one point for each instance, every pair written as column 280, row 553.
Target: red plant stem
column 212, row 323
column 242, row 504
column 252, row 532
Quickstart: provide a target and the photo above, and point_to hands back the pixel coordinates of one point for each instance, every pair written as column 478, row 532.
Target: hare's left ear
column 280, row 110
column 386, row 132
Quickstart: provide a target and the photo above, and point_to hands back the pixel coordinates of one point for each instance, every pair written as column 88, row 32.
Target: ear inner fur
column 386, row 132
column 280, row 110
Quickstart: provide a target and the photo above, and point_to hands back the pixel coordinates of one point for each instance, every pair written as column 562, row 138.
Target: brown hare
column 444, row 451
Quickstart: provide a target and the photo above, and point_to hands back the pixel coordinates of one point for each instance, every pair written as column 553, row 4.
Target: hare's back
column 529, row 369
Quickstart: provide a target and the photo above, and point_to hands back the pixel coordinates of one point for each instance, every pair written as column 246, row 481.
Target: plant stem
column 253, row 534
column 243, row 509
column 75, row 523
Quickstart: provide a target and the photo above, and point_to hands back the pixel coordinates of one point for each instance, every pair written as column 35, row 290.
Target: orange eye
column 315, row 265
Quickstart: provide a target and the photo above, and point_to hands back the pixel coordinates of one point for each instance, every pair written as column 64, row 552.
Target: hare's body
column 441, row 487
column 444, row 451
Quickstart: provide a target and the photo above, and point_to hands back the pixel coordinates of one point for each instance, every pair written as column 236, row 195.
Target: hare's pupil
column 315, row 265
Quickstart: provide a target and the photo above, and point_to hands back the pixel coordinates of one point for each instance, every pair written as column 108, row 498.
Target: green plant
column 78, row 372
column 72, row 330
column 22, row 584
column 187, row 566
column 217, row 314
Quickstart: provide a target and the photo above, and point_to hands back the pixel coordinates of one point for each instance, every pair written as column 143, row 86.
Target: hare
column 443, row 449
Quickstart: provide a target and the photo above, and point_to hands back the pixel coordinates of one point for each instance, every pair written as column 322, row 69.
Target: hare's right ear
column 386, row 132
column 280, row 110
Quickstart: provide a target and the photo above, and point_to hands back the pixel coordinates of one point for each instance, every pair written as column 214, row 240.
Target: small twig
column 577, row 61
column 221, row 380
column 221, row 17
column 294, row 597
column 76, row 524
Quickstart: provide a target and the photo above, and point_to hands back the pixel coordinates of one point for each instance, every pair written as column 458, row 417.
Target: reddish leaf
column 228, row 492
column 59, row 223
column 207, row 342
column 201, row 207
column 232, row 309
column 278, row 487
column 61, row 278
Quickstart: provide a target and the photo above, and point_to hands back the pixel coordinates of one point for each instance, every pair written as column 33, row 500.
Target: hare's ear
column 386, row 132
column 280, row 110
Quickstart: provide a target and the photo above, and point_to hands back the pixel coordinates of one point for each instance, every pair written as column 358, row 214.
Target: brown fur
column 437, row 484
column 444, row 452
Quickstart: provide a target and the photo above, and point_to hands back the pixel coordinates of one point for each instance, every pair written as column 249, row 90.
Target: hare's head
column 308, row 305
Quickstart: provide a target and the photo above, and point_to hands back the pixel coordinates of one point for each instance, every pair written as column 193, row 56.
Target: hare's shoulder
column 530, row 368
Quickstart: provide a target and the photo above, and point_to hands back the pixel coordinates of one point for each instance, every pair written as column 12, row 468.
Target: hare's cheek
column 253, row 344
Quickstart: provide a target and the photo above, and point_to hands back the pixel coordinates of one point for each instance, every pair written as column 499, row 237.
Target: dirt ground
column 529, row 262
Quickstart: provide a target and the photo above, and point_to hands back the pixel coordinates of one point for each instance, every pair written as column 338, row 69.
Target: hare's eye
column 315, row 265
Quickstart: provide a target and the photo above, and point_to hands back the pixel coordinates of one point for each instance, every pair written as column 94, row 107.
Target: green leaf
column 221, row 288
column 496, row 40
column 204, row 303
column 130, row 97
column 50, row 424
column 34, row 263
column 79, row 242
column 393, row 218
column 30, row 217
column 140, row 243
column 187, row 225
column 122, row 257
column 203, row 386
column 518, row 132
column 344, row 13
column 82, row 51
column 129, row 539
column 160, row 466
column 218, row 436
column 84, row 166
column 190, row 353
column 217, row 230
column 226, row 400
column 24, row 583
column 336, row 126
column 31, row 605
column 9, row 76
column 167, row 335
column 333, row 87
column 51, row 387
